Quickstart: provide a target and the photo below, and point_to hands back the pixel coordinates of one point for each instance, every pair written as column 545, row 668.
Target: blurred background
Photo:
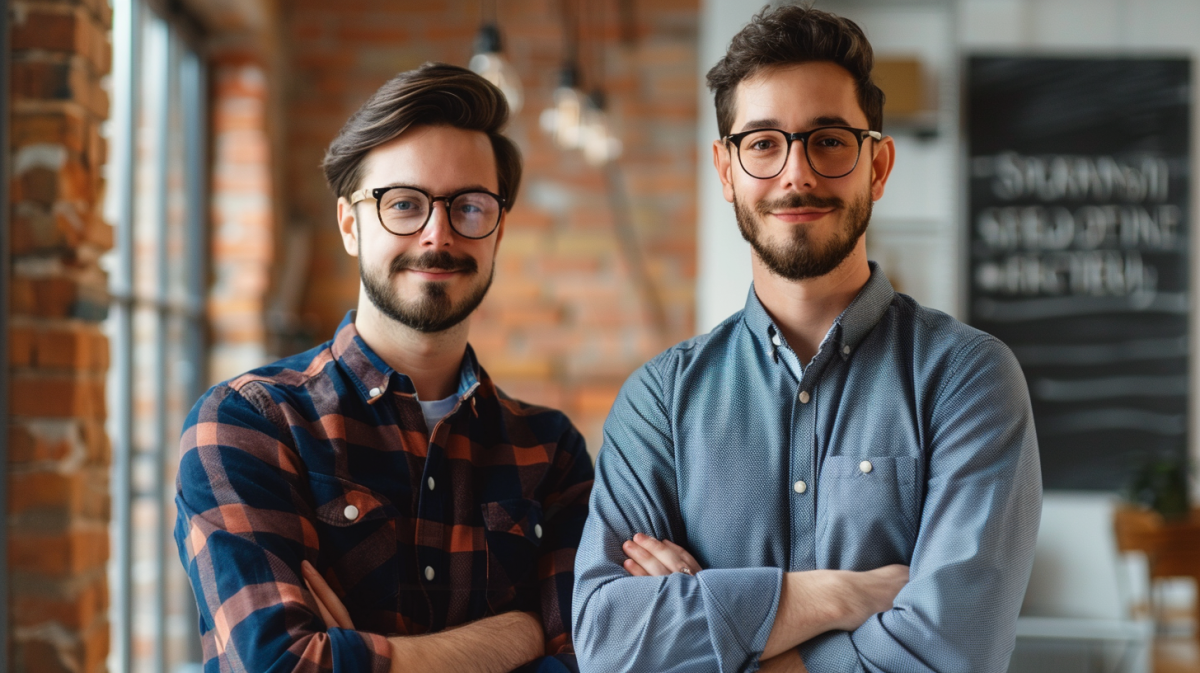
column 169, row 227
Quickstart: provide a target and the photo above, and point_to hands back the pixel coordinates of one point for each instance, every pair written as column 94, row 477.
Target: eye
column 761, row 144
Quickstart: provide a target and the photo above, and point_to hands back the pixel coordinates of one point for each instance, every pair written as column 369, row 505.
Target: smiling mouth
column 802, row 215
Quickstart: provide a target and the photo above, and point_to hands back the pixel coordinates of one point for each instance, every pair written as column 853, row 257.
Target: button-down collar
column 844, row 335
column 373, row 377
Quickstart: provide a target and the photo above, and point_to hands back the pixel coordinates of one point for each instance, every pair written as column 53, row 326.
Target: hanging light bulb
column 596, row 139
column 564, row 119
column 489, row 63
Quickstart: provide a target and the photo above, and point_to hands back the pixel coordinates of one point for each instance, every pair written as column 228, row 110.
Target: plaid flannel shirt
column 325, row 456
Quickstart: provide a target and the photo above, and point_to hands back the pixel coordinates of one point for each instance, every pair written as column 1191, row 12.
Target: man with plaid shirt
column 376, row 503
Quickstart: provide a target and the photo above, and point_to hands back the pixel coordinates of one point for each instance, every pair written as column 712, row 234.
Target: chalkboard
column 1078, row 175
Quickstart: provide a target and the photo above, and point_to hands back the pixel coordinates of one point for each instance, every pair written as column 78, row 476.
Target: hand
column 862, row 594
column 649, row 557
column 332, row 610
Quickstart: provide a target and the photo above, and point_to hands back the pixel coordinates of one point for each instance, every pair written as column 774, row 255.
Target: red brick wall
column 58, row 450
column 243, row 214
column 564, row 323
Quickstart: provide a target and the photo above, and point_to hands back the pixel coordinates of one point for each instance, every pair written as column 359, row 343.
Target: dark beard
column 800, row 257
column 432, row 311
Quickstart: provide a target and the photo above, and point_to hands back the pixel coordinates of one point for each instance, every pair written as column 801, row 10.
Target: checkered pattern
column 325, row 456
column 908, row 439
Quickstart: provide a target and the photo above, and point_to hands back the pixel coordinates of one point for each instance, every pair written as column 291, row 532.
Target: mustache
column 798, row 200
column 441, row 261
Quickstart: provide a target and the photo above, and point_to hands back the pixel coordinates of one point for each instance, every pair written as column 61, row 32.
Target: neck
column 804, row 310
column 431, row 361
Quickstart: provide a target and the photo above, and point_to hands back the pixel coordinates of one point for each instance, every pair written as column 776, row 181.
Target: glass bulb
column 496, row 69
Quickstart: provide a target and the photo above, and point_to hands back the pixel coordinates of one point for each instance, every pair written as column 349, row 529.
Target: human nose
column 437, row 232
column 796, row 171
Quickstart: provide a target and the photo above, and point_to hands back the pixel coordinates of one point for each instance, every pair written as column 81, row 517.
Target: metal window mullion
column 126, row 33
column 163, row 59
column 194, row 100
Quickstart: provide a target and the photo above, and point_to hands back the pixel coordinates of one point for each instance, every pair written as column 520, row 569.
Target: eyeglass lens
column 472, row 214
column 832, row 153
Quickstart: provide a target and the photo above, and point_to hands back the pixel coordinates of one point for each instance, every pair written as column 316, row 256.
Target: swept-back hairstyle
column 433, row 94
column 789, row 35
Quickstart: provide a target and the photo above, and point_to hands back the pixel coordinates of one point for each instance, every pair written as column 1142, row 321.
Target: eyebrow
column 476, row 187
column 772, row 123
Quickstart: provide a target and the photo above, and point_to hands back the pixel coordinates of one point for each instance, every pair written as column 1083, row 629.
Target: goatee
column 801, row 256
column 432, row 311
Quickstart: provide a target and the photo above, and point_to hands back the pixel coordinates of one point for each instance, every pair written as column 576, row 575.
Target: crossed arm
column 494, row 644
column 810, row 602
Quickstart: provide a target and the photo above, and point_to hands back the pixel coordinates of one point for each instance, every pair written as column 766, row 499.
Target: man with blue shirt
column 835, row 478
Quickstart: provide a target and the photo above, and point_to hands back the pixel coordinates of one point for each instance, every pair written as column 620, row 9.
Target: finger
column 662, row 552
column 326, row 595
column 645, row 559
column 325, row 616
column 682, row 553
column 634, row 569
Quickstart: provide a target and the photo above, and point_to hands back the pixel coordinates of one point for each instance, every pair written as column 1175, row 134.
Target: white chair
column 1078, row 614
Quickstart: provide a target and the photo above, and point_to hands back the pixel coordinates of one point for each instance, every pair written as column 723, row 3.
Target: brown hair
column 433, row 94
column 791, row 35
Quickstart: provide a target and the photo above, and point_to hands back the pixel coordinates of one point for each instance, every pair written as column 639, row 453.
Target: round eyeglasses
column 832, row 151
column 404, row 211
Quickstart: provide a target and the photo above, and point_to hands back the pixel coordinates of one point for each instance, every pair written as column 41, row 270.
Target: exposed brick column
column 243, row 215
column 58, row 452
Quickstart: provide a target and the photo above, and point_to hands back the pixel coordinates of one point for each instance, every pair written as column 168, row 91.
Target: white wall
column 916, row 232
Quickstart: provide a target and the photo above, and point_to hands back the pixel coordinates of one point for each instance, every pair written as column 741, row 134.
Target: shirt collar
column 854, row 323
column 373, row 377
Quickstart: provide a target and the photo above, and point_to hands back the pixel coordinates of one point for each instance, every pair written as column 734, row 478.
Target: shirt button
column 865, row 466
column 375, row 392
column 804, row 397
column 846, row 350
column 351, row 512
column 800, row 487
column 431, row 483
column 429, row 573
column 537, row 530
column 775, row 340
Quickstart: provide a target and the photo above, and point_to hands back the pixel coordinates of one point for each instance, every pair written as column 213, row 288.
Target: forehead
column 436, row 158
column 796, row 96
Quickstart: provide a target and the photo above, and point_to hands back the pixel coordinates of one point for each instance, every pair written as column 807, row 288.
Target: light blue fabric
column 705, row 444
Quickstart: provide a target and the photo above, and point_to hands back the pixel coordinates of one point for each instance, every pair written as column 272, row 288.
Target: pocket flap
column 518, row 517
column 900, row 469
column 338, row 499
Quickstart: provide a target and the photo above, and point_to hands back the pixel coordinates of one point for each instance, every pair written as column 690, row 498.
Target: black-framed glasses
column 832, row 151
column 404, row 211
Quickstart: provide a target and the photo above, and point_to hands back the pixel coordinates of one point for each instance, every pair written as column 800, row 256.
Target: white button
column 431, row 483
column 375, row 392
column 429, row 573
column 846, row 350
column 800, row 487
column 351, row 512
column 865, row 466
column 537, row 530
column 775, row 340
column 804, row 397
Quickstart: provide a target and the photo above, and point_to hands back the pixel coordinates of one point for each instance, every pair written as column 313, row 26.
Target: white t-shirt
column 436, row 410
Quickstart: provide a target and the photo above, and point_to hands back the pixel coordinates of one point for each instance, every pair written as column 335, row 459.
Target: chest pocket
column 867, row 511
column 357, row 530
column 513, row 533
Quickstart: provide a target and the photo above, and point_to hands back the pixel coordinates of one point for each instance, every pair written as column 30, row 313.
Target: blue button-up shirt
column 907, row 439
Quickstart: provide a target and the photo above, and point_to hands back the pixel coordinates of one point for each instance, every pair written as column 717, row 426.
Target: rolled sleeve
column 716, row 620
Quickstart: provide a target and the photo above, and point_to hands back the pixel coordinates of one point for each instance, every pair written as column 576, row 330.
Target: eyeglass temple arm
column 360, row 195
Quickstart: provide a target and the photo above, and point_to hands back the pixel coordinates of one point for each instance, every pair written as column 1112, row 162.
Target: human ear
column 882, row 159
column 346, row 221
column 722, row 161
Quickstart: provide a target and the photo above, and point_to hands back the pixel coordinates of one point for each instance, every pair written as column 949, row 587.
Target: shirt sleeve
column 974, row 550
column 717, row 620
column 566, row 508
column 242, row 530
